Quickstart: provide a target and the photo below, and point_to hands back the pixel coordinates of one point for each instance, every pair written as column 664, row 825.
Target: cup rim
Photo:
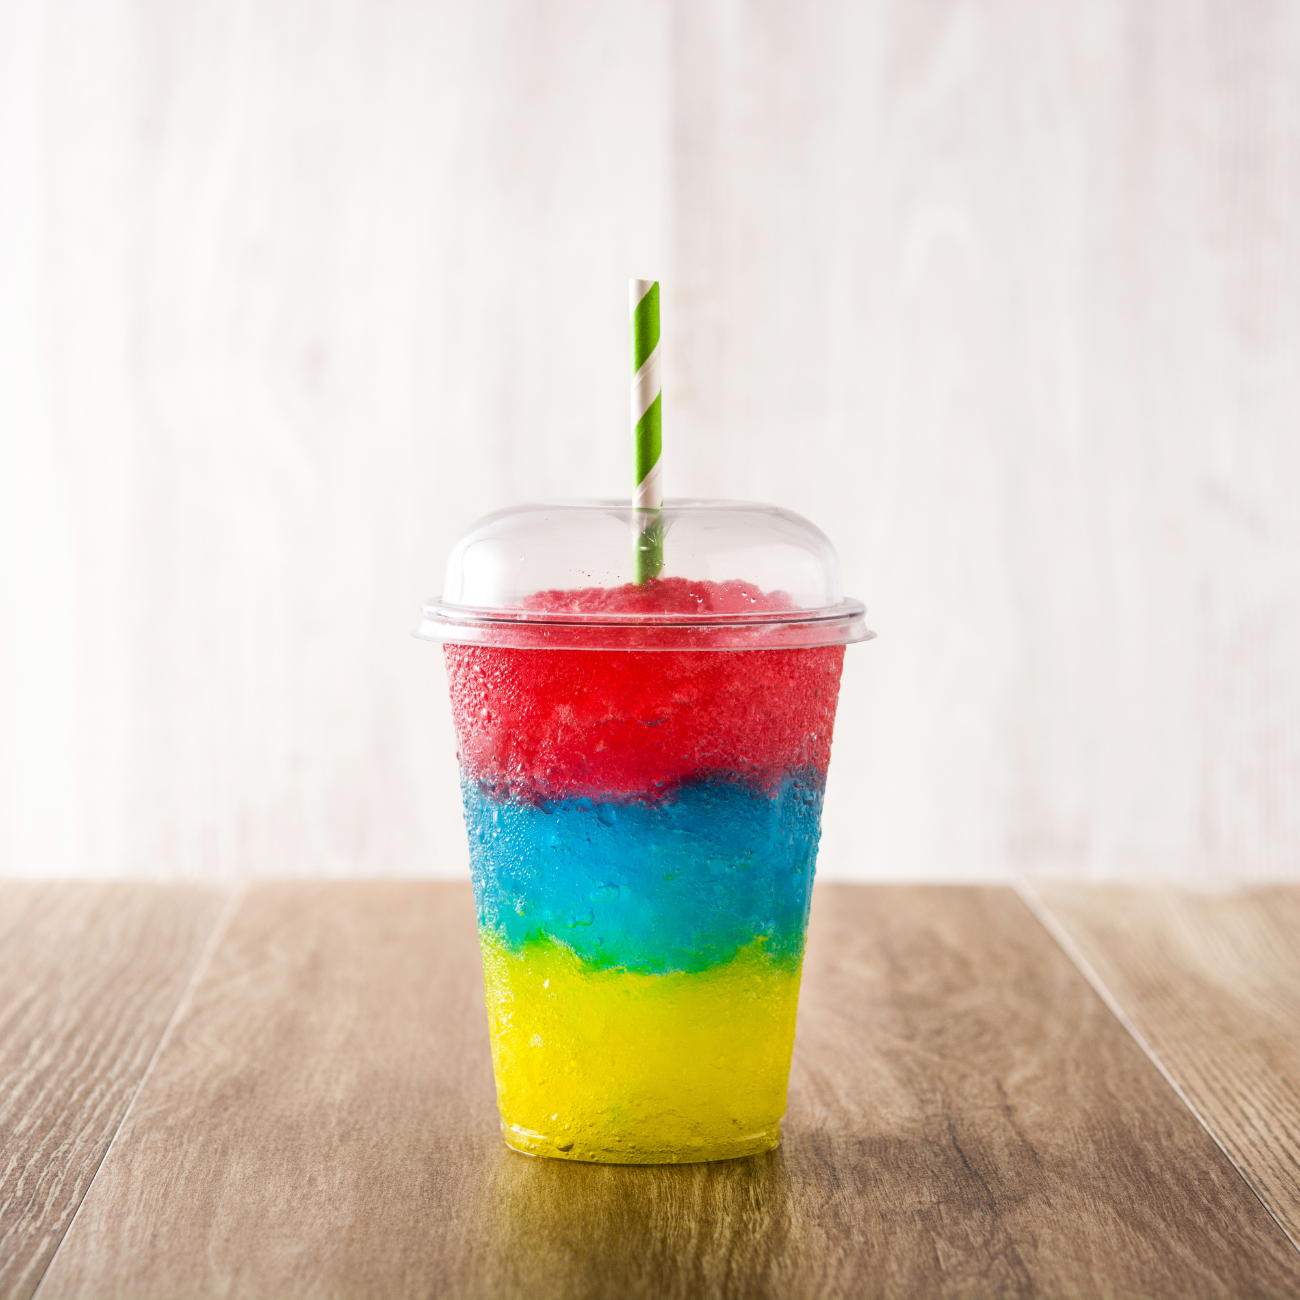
column 506, row 628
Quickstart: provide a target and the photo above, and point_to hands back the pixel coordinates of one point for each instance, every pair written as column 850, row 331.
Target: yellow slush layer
column 628, row 1068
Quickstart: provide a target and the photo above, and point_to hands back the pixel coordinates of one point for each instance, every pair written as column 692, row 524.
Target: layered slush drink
column 643, row 829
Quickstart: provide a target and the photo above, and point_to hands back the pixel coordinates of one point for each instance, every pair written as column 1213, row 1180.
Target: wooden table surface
column 285, row 1091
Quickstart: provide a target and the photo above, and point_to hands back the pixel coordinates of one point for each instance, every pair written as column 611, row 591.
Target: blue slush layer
column 674, row 885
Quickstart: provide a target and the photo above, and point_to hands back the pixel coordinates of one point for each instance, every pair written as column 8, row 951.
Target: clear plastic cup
column 643, row 770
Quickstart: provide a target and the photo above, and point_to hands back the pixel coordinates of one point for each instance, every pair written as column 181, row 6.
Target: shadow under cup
column 643, row 769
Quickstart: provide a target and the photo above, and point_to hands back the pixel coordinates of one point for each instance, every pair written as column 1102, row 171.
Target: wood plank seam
column 1045, row 917
column 196, row 975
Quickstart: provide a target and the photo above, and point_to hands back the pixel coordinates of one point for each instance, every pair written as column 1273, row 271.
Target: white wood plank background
column 1003, row 293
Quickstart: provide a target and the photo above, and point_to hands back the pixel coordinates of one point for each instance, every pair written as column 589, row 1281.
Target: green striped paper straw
column 647, row 430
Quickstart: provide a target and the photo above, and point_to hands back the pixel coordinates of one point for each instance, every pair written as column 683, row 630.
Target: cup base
column 607, row 1150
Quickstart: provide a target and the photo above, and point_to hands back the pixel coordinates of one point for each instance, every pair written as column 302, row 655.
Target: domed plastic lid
column 736, row 575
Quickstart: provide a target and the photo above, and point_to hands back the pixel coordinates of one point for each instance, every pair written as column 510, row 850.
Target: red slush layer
column 664, row 596
column 610, row 724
